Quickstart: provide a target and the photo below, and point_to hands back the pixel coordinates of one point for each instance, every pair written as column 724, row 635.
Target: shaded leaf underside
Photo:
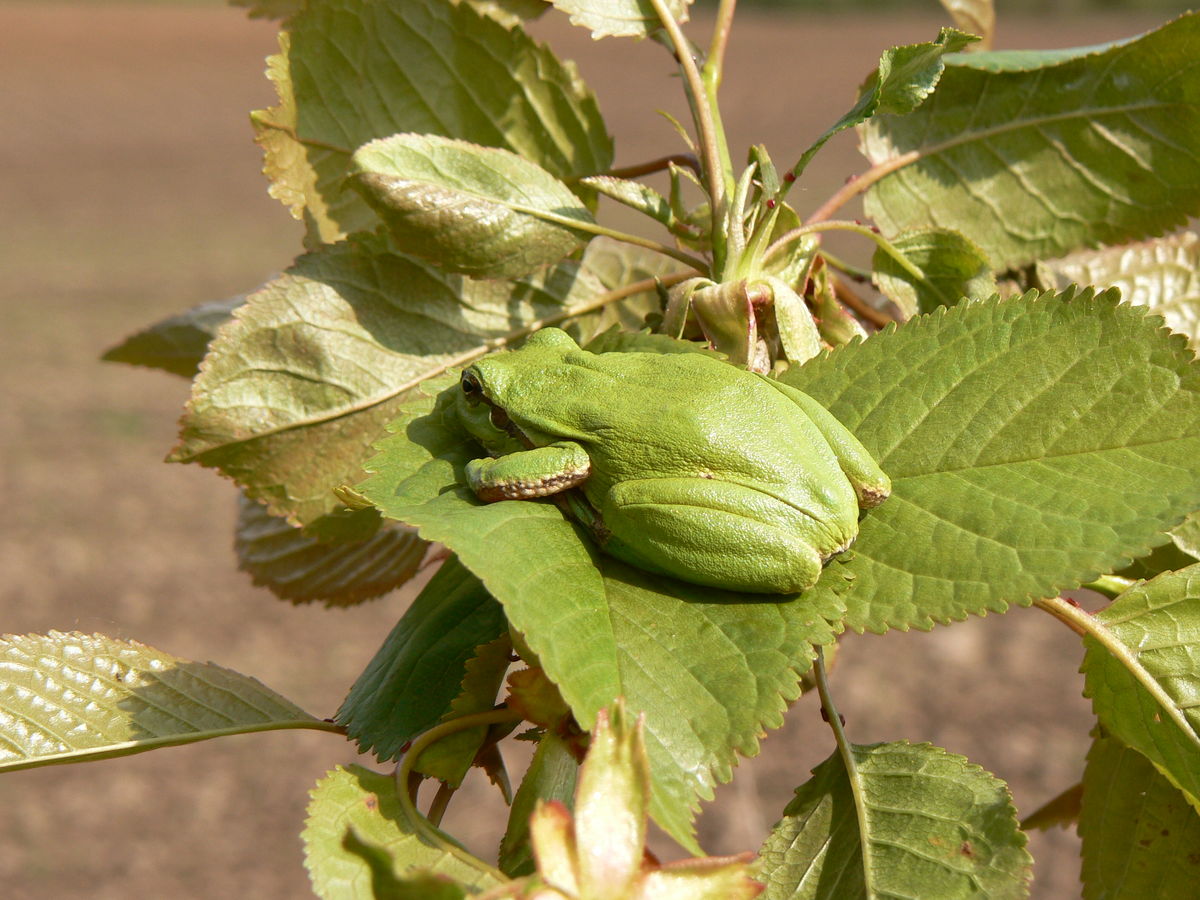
column 1140, row 836
column 299, row 567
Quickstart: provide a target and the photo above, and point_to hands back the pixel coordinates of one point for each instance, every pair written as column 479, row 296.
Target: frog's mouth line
column 501, row 420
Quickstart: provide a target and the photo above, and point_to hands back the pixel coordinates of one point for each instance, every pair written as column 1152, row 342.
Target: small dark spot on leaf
column 371, row 802
column 967, row 850
column 1194, row 859
column 1165, row 832
column 1145, row 842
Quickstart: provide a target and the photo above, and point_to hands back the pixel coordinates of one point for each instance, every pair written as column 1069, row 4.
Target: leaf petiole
column 841, row 225
column 624, row 237
column 404, row 771
column 831, row 715
column 710, row 139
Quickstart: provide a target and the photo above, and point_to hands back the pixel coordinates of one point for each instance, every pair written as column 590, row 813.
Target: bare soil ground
column 129, row 190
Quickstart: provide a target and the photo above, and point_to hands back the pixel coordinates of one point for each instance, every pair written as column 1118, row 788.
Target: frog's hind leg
column 715, row 535
column 871, row 484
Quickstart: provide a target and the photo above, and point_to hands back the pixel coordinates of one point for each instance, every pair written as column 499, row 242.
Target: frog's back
column 690, row 413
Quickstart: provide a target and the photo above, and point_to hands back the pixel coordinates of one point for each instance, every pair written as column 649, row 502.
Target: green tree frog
column 686, row 465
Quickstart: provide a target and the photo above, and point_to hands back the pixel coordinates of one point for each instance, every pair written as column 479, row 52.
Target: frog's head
column 503, row 379
column 495, row 390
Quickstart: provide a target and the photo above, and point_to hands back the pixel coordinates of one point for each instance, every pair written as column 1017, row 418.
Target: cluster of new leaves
column 446, row 167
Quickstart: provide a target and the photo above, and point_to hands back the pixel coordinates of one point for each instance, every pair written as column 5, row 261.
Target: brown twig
column 847, row 296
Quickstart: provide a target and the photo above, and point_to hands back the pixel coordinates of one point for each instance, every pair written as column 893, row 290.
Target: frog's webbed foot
column 529, row 474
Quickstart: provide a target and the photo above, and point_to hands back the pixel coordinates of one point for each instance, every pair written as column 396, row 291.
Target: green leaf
column 474, row 210
column 176, row 344
column 1187, row 535
column 1140, row 836
column 950, row 266
column 415, row 676
column 355, row 827
column 1160, row 274
column 298, row 386
column 298, row 566
column 932, row 825
column 1034, row 157
column 73, row 697
column 620, row 18
column 450, row 758
column 1142, row 673
column 1164, row 558
column 1033, row 444
column 601, row 629
column 351, row 71
column 974, row 17
column 550, row 776
column 905, row 77
column 633, row 194
column 1061, row 810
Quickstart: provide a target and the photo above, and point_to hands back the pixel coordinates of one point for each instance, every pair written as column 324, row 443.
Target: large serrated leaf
column 356, row 831
column 301, row 567
column 1163, row 275
column 1140, row 836
column 351, row 71
column 1033, row 444
column 933, row 826
column 1143, row 673
column 294, row 391
column 620, row 18
column 416, row 674
column 601, row 629
column 1035, row 157
column 70, row 697
column 475, row 210
column 176, row 344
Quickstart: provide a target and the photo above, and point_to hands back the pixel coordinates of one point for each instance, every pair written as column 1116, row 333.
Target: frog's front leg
column 871, row 484
column 529, row 473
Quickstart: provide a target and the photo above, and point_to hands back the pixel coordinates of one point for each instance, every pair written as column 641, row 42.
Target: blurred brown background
column 129, row 190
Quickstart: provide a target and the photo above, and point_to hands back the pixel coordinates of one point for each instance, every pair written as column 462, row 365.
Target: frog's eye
column 471, row 388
